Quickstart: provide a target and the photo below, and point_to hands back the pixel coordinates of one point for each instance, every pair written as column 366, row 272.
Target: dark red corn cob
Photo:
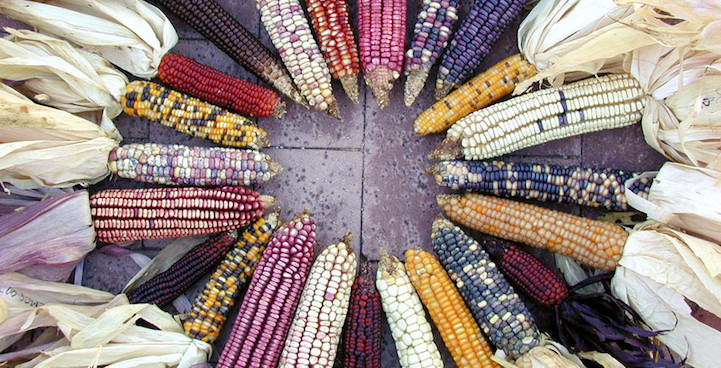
column 208, row 84
column 362, row 337
column 221, row 28
column 267, row 310
column 164, row 287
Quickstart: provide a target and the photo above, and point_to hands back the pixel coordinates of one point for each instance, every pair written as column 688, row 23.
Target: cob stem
column 350, row 86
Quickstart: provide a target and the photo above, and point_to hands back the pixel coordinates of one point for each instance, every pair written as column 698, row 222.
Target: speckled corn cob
column 191, row 116
column 406, row 318
column 211, row 307
column 481, row 28
column 454, row 321
column 494, row 304
column 196, row 166
column 362, row 336
column 595, row 243
column 381, row 39
column 123, row 215
column 430, row 36
column 593, row 104
column 314, row 335
column 265, row 316
column 554, row 183
column 208, row 84
column 484, row 89
column 331, row 23
column 208, row 18
column 291, row 34
column 164, row 287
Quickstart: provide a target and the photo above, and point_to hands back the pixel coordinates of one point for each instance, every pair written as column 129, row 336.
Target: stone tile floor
column 363, row 174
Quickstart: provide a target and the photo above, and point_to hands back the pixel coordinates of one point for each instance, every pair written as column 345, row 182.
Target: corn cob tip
column 273, row 215
column 347, row 238
column 333, row 110
column 267, row 200
column 386, row 263
column 274, row 168
column 449, row 149
column 447, row 200
column 350, row 86
column 440, row 220
column 381, row 81
column 414, row 84
column 263, row 142
column 433, row 170
column 280, row 110
column 443, row 91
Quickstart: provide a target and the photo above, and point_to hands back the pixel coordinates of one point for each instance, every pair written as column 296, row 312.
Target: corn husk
column 131, row 34
column 13, row 199
column 45, row 147
column 548, row 354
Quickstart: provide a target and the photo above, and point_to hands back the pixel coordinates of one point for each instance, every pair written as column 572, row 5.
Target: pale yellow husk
column 131, row 34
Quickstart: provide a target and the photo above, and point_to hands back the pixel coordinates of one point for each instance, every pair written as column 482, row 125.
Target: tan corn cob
column 406, row 318
column 318, row 323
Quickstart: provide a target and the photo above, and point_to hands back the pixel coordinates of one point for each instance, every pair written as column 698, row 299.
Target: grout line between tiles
column 343, row 149
column 363, row 169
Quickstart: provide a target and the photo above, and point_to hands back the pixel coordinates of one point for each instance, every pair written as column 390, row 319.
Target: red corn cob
column 269, row 304
column 208, row 84
column 362, row 337
column 164, row 287
column 381, row 37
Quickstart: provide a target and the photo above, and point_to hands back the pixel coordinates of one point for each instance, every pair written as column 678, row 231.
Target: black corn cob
column 362, row 336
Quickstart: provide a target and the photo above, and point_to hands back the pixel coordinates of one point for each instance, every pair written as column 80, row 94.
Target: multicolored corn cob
column 590, row 105
column 459, row 330
column 211, row 307
column 430, row 36
column 481, row 28
column 595, row 243
column 318, row 323
column 208, row 84
column 208, row 18
column 267, row 311
column 484, row 89
column 164, row 287
column 553, row 183
column 123, row 215
column 381, row 38
column 191, row 116
column 291, row 34
column 362, row 336
column 494, row 304
column 331, row 23
column 406, row 318
column 195, row 166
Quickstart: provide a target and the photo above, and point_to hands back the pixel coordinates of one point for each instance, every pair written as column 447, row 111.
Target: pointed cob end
column 347, row 238
column 414, row 84
column 280, row 109
column 442, row 89
column 274, row 168
column 350, row 85
column 388, row 264
column 333, row 110
column 433, row 170
column 440, row 220
column 449, row 149
column 381, row 81
column 446, row 201
column 267, row 200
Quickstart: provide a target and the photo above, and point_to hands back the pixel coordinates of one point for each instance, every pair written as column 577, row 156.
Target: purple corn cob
column 265, row 316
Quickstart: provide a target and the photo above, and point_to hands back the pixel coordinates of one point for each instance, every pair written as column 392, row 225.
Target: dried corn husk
column 549, row 354
column 13, row 199
column 58, row 74
column 131, row 34
column 44, row 147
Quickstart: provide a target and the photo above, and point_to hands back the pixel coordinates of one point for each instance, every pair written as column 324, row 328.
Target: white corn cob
column 407, row 319
column 291, row 35
column 318, row 323
column 593, row 104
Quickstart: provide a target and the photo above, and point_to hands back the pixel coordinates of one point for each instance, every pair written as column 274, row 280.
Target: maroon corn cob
column 362, row 337
column 164, row 287
column 189, row 76
column 265, row 316
column 123, row 215
column 221, row 28
column 381, row 37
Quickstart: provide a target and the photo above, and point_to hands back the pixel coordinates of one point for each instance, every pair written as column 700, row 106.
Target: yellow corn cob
column 487, row 87
column 459, row 330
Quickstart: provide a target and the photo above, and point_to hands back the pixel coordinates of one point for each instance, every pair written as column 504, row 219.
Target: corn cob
column 362, row 337
column 164, row 287
column 484, row 89
column 494, row 304
column 473, row 40
column 459, row 330
column 268, row 306
column 313, row 337
column 207, row 317
column 406, row 318
column 595, row 243
column 191, row 116
column 589, row 105
column 430, row 36
column 555, row 183
column 331, row 23
column 123, row 215
column 195, row 166
column 290, row 32
column 381, row 38
column 208, row 18
column 208, row 84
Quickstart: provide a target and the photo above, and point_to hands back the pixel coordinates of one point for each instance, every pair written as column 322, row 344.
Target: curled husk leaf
column 13, row 198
